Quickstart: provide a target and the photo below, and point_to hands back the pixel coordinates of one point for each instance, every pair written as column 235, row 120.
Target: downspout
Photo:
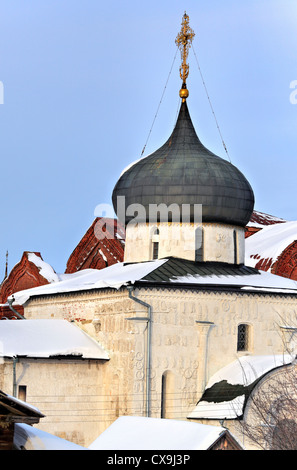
column 148, row 351
column 10, row 302
column 15, row 359
column 14, row 384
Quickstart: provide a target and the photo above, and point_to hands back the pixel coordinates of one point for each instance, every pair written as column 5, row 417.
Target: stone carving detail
column 221, row 238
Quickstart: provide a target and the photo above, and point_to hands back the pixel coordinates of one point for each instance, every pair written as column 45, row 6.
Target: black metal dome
column 183, row 171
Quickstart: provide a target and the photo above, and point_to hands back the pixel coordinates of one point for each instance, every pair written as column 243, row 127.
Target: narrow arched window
column 155, row 243
column 155, row 250
column 243, row 337
column 235, row 247
column 167, row 395
column 199, row 244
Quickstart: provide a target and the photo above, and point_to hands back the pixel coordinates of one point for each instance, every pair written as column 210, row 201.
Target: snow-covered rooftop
column 227, row 390
column 269, row 243
column 27, row 437
column 113, row 276
column 260, row 219
column 166, row 271
column 6, row 399
column 47, row 338
column 44, row 268
column 139, row 433
column 258, row 281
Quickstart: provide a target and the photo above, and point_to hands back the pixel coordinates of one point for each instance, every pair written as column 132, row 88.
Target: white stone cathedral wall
column 194, row 334
column 179, row 240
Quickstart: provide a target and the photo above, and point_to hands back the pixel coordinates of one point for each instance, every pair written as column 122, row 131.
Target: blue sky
column 82, row 83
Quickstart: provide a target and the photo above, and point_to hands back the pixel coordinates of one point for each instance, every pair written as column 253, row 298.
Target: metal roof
column 184, row 171
column 181, row 273
column 175, row 268
column 20, row 410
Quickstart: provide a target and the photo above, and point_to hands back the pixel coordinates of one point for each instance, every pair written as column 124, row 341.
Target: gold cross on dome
column 183, row 41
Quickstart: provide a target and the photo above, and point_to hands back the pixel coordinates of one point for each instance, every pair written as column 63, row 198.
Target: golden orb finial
column 184, row 93
column 183, row 42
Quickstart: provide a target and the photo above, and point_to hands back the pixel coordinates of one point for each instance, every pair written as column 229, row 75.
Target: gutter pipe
column 10, row 302
column 15, row 359
column 14, row 392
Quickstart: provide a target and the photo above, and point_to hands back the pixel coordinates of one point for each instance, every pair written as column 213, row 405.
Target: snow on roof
column 231, row 409
column 27, row 437
column 47, row 338
column 139, row 433
column 269, row 242
column 239, row 375
column 246, row 369
column 260, row 219
column 113, row 276
column 4, row 397
column 45, row 269
column 121, row 274
column 259, row 281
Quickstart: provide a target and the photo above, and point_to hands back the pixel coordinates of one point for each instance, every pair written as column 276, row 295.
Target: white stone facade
column 194, row 333
column 191, row 241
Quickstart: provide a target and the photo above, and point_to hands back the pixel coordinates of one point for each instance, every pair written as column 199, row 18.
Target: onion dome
column 184, row 171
